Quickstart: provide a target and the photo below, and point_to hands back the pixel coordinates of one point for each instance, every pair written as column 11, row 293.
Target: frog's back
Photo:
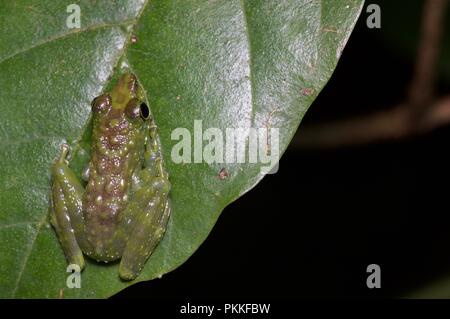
column 117, row 150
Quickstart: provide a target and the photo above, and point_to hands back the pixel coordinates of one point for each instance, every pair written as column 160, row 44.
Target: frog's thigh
column 72, row 194
column 61, row 222
column 148, row 229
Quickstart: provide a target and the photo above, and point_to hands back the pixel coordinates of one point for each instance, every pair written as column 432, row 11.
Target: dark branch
column 421, row 91
column 419, row 113
column 388, row 125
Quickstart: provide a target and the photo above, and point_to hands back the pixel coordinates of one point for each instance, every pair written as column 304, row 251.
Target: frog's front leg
column 67, row 211
column 150, row 208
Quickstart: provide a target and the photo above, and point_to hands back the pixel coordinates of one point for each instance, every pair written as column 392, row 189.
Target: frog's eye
column 132, row 109
column 144, row 111
column 101, row 103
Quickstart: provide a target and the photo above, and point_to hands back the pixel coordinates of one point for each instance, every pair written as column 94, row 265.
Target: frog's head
column 127, row 97
column 121, row 117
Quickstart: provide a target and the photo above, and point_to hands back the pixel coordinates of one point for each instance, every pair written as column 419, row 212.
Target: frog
column 120, row 207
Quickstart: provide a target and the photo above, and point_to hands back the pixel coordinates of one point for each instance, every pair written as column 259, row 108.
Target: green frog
column 123, row 210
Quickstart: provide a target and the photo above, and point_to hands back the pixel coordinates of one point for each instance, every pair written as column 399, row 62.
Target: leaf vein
column 64, row 35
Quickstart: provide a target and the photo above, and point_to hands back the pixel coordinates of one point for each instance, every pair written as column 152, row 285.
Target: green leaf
column 229, row 63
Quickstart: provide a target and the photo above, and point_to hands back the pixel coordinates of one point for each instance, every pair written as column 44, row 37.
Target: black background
column 312, row 229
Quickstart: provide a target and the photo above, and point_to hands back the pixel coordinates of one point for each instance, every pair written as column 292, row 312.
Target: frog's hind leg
column 149, row 226
column 151, row 209
column 61, row 222
column 66, row 211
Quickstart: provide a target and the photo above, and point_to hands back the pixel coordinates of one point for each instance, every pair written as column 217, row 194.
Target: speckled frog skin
column 124, row 208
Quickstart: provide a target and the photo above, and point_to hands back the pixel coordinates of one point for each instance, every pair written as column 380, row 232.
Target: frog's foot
column 149, row 227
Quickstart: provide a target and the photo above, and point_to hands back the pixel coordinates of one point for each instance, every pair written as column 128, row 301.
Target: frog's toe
column 78, row 259
column 127, row 273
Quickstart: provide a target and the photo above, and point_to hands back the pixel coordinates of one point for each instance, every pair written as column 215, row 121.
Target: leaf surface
column 229, row 64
